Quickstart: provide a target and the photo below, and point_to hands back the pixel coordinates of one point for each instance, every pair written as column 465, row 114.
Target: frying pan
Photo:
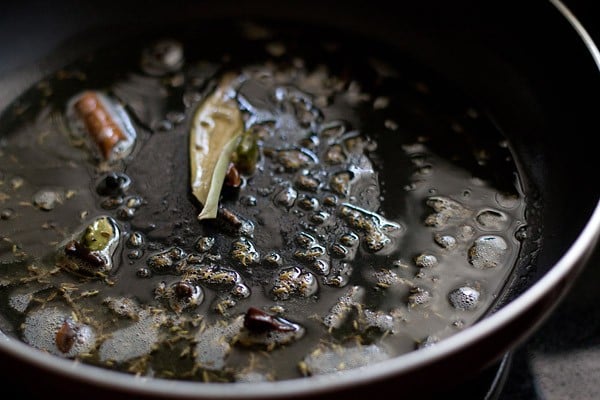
column 532, row 65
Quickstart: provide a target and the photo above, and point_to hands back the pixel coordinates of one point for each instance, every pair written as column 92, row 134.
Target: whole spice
column 216, row 127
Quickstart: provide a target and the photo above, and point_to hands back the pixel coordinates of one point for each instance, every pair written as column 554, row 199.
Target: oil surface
column 384, row 212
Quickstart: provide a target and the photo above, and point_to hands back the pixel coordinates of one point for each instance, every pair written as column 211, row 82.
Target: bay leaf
column 216, row 127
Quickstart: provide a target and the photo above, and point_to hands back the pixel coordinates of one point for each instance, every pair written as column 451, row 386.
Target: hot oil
column 385, row 212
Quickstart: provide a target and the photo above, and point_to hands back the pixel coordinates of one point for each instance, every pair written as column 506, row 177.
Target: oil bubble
column 47, row 200
column 332, row 130
column 213, row 344
column 426, row 261
column 143, row 273
column 20, row 301
column 135, row 254
column 321, row 266
column 165, row 261
column 133, row 341
column 465, row 233
column 122, row 306
column 376, row 320
column 286, row 197
column 7, row 213
column 326, row 360
column 491, row 220
column 464, row 298
column 447, row 242
column 344, row 306
column 446, row 210
column 522, row 233
column 385, row 278
column 487, row 252
column 45, row 329
column 294, row 281
column 125, row 213
column 274, row 259
column 319, row 218
column 507, row 200
column 113, row 184
column 248, row 201
column 419, row 297
column 162, row 57
column 110, row 203
column 184, row 295
column 308, row 203
column 205, row 243
column 244, row 252
column 429, row 341
column 135, row 240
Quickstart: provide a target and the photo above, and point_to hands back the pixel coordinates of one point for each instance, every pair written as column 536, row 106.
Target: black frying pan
column 533, row 68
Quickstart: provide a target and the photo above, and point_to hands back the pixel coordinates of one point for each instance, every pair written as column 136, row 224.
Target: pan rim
column 574, row 257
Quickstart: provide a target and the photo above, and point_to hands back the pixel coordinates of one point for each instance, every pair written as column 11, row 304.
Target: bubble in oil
column 446, row 210
column 447, row 242
column 293, row 281
column 166, row 260
column 419, row 297
column 183, row 295
column 20, row 301
column 426, row 260
column 125, row 213
column 328, row 360
column 213, row 344
column 133, row 341
column 113, row 184
column 143, row 272
column 122, row 306
column 491, row 220
column 464, row 298
column 162, row 57
column 135, row 240
column 376, row 320
column 163, row 125
column 7, row 213
column 42, row 329
column 465, row 233
column 429, row 341
column 47, row 200
column 308, row 203
column 205, row 243
column 522, row 233
column 273, row 259
column 135, row 254
column 487, row 252
column 286, row 197
column 386, row 278
column 507, row 200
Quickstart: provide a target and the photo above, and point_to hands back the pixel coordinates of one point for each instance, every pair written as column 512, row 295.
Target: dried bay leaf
column 216, row 128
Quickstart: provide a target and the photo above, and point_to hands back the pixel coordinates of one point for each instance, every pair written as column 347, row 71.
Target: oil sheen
column 371, row 209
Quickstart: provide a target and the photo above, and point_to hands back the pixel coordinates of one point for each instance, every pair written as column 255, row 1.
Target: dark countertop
column 562, row 359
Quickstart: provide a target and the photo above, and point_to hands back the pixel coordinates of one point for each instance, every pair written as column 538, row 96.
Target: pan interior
column 396, row 196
